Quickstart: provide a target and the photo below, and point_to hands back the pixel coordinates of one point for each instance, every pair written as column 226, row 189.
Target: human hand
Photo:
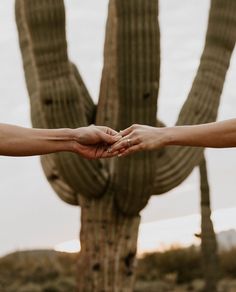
column 137, row 138
column 92, row 142
column 94, row 151
column 92, row 135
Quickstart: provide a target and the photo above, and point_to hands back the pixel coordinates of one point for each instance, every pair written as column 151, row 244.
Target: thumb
column 126, row 131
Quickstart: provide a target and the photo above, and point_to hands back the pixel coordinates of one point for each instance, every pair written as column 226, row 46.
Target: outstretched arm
column 88, row 141
column 140, row 137
column 215, row 135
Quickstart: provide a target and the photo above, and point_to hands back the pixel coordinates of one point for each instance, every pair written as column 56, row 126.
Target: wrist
column 76, row 135
column 71, row 137
column 168, row 137
column 75, row 138
column 64, row 138
column 71, row 134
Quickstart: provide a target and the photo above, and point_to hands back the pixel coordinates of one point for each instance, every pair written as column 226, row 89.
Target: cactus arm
column 174, row 164
column 89, row 106
column 62, row 189
column 57, row 99
column 108, row 103
column 210, row 258
column 56, row 181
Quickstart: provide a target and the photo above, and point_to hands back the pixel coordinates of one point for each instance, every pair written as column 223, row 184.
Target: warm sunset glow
column 68, row 246
column 161, row 235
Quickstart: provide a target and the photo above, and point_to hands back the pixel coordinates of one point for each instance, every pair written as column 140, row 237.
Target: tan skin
column 102, row 142
column 90, row 142
column 140, row 137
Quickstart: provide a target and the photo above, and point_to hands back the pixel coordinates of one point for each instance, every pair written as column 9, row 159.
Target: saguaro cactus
column 209, row 243
column 112, row 193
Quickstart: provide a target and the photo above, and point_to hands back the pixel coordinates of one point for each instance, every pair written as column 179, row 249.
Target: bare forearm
column 214, row 135
column 19, row 141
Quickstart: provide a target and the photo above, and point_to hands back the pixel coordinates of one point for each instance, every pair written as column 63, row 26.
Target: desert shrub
column 228, row 263
column 39, row 268
column 60, row 285
column 182, row 262
column 29, row 288
column 16, row 286
column 49, row 271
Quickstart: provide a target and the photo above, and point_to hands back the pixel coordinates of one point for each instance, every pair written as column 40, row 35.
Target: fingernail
column 109, row 150
column 120, row 155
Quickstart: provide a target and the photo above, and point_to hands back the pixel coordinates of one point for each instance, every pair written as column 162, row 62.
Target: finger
column 122, row 150
column 123, row 143
column 112, row 132
column 107, row 154
column 116, row 147
column 109, row 139
column 96, row 152
column 126, row 131
column 103, row 153
column 129, row 151
column 107, row 130
column 99, row 151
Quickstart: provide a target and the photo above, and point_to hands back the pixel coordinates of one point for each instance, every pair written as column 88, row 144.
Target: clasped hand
column 103, row 142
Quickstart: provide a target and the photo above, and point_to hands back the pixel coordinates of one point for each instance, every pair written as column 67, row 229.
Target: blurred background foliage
column 178, row 269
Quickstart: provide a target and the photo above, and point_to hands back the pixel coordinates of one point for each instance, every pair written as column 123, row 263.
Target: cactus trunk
column 108, row 247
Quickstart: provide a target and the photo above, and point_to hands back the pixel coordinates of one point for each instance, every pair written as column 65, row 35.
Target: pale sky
column 31, row 215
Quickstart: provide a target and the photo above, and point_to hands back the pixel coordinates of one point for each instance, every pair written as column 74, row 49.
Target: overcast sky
column 31, row 215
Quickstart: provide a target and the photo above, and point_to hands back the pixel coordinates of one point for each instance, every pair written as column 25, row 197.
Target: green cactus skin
column 210, row 259
column 108, row 246
column 113, row 192
column 59, row 99
column 57, row 182
column 129, row 90
column 174, row 164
